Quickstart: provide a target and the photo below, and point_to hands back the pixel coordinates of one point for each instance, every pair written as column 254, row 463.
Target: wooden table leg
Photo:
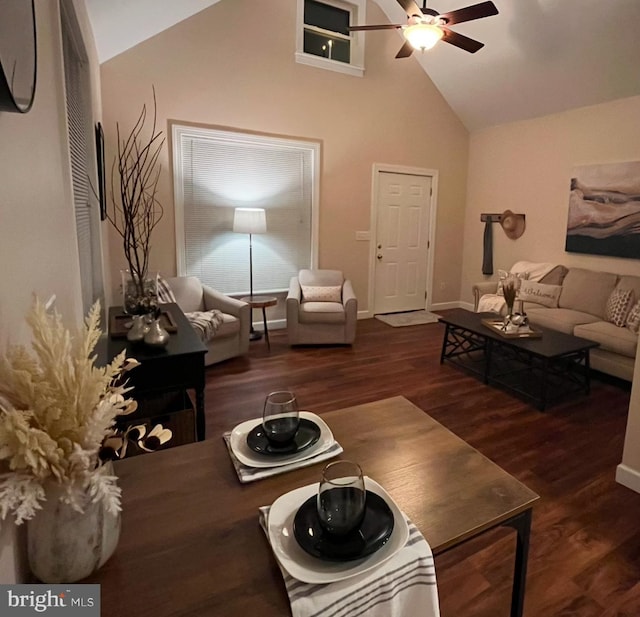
column 200, row 421
column 266, row 330
column 522, row 525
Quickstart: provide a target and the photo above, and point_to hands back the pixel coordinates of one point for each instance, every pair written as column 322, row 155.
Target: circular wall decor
column 17, row 55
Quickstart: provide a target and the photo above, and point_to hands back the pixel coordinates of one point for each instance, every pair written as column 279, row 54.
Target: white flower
column 56, row 410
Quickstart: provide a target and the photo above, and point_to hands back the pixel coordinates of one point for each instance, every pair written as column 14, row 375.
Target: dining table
column 191, row 543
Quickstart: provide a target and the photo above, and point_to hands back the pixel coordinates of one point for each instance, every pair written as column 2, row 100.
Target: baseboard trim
column 628, row 477
column 279, row 324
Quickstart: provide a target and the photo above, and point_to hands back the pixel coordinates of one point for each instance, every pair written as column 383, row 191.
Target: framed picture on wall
column 604, row 210
column 102, row 186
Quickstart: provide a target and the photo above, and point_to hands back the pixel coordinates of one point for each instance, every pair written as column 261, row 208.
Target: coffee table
column 541, row 369
column 191, row 543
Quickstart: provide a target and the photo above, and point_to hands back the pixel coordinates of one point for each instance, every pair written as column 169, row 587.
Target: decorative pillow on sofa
column 503, row 275
column 633, row 318
column 618, row 306
column 324, row 293
column 205, row 323
column 547, row 295
column 165, row 294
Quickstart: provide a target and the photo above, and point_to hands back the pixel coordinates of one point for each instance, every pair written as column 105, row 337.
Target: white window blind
column 77, row 89
column 217, row 171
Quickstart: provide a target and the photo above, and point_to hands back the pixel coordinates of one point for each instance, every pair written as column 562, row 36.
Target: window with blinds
column 78, row 97
column 216, row 171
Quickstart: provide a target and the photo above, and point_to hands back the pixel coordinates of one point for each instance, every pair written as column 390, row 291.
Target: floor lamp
column 250, row 221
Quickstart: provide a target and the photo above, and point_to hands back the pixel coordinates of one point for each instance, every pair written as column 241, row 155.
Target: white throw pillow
column 321, row 293
column 547, row 295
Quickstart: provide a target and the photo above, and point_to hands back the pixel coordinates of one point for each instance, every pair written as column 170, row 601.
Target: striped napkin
column 250, row 474
column 403, row 586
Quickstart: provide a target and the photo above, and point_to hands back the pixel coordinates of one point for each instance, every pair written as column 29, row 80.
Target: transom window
column 326, row 31
column 324, row 39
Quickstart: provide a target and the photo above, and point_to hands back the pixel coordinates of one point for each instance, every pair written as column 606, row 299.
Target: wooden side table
column 261, row 302
column 169, row 371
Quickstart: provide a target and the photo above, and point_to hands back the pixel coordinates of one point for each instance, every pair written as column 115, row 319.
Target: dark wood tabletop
column 551, row 344
column 175, row 368
column 191, row 543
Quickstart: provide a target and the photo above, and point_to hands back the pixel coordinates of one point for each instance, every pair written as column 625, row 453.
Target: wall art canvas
column 604, row 210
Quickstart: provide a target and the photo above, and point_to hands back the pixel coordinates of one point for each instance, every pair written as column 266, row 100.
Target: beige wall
column 232, row 65
column 526, row 167
column 38, row 249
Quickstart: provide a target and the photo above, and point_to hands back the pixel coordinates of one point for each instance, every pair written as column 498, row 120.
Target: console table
column 172, row 370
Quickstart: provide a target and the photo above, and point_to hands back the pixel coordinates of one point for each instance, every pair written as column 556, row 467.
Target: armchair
column 321, row 308
column 232, row 336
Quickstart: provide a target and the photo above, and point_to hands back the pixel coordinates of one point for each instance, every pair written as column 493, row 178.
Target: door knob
column 379, row 256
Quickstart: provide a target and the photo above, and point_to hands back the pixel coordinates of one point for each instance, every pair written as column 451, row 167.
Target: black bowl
column 308, row 434
column 373, row 533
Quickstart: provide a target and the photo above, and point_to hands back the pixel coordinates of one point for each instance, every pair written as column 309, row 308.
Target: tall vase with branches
column 135, row 210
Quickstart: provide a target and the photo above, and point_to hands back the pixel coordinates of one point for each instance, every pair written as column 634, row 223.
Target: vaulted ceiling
column 540, row 56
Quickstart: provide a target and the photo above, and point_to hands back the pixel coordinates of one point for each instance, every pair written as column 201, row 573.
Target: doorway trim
column 379, row 168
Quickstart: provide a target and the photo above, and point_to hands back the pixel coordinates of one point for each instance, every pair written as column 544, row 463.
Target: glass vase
column 156, row 335
column 139, row 297
column 63, row 545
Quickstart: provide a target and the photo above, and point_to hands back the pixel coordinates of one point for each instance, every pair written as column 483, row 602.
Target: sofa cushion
column 610, row 337
column 547, row 295
column 563, row 320
column 555, row 276
column 633, row 318
column 587, row 291
column 618, row 306
column 230, row 326
column 630, row 282
column 321, row 293
column 322, row 312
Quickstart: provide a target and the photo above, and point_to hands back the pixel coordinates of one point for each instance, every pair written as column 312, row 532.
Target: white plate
column 309, row 569
column 238, row 443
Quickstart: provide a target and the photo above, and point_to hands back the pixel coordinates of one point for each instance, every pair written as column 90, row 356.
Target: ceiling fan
column 425, row 27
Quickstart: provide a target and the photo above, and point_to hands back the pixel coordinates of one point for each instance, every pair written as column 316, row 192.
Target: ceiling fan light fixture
column 423, row 36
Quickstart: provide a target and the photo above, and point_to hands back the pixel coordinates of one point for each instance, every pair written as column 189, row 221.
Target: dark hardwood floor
column 585, row 545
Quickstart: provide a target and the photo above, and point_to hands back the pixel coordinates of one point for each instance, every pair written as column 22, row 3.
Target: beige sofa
column 580, row 311
column 231, row 339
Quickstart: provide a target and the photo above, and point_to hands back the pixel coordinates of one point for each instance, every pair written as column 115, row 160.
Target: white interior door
column 402, row 242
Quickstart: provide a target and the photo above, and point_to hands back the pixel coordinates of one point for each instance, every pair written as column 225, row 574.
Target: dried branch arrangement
column 509, row 289
column 135, row 210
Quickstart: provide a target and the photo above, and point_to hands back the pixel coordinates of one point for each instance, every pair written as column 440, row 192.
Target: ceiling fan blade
column 461, row 41
column 469, row 13
column 405, row 51
column 380, row 27
column 410, row 6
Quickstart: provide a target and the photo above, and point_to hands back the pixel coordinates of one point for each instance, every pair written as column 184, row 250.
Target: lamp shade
column 423, row 36
column 249, row 221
